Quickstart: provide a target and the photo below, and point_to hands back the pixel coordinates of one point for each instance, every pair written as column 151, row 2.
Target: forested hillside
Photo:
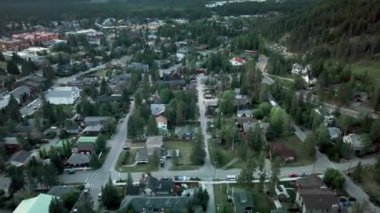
column 343, row 29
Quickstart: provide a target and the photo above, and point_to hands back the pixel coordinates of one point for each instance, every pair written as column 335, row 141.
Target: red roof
column 239, row 60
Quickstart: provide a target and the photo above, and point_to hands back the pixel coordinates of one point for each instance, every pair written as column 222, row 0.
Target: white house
column 300, row 70
column 63, row 95
column 355, row 141
column 162, row 122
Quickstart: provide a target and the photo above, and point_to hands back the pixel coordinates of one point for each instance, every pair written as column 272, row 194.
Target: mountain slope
column 344, row 29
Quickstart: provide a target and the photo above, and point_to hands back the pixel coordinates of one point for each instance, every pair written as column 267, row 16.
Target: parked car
column 293, row 175
column 184, row 185
column 99, row 196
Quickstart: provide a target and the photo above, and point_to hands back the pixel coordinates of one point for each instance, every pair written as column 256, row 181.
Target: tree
column 129, row 179
column 69, row 199
column 17, row 179
column 2, row 56
column 135, row 124
column 94, row 161
column 152, row 128
column 111, row 197
column 345, row 122
column 275, row 167
column 100, row 143
column 255, row 139
column 103, row 89
column 85, row 204
column 246, row 174
column 357, row 173
column 166, row 95
column 13, row 109
column 375, row 131
column 12, row 68
column 201, row 198
column 56, row 206
column 278, row 122
column 322, row 135
column 334, row 178
column 198, row 152
column 226, row 103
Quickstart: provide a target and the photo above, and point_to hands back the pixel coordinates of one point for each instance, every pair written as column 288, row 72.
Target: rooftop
column 39, row 204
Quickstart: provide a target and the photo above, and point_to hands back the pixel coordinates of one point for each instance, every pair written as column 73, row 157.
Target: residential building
column 157, row 109
column 86, row 145
column 142, row 155
column 21, row 93
column 63, row 95
column 8, row 44
column 242, row 201
column 95, row 120
column 162, row 123
column 36, row 37
column 11, row 145
column 93, row 130
column 139, row 67
column 300, row 70
column 313, row 196
column 59, row 191
column 38, row 204
column 20, row 158
column 157, row 204
column 92, row 35
column 335, row 133
column 152, row 143
column 356, row 141
column 78, row 160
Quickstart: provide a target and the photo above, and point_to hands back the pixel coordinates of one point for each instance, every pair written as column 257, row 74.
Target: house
column 157, row 204
column 63, row 95
column 157, row 109
column 313, row 181
column 86, row 144
column 313, row 196
column 21, row 93
column 244, row 113
column 317, row 200
column 38, row 204
column 247, row 126
column 162, row 124
column 242, row 201
column 140, row 67
column 78, row 160
column 59, row 191
column 335, row 133
column 20, row 158
column 142, row 155
column 237, row 61
column 242, row 101
column 93, row 130
column 355, row 141
column 300, row 70
column 184, row 133
column 11, row 145
column 95, row 120
column 279, row 149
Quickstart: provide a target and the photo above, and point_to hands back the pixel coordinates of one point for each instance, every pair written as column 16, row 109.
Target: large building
column 63, row 95
column 36, row 37
column 36, row 204
column 7, row 44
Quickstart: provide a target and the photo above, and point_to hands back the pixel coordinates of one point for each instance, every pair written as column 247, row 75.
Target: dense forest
column 269, row 6
column 343, row 29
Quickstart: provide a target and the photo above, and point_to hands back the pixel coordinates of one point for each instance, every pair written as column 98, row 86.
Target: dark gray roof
column 95, row 120
column 78, row 159
column 139, row 67
column 312, row 181
column 169, row 203
column 21, row 156
column 59, row 191
column 318, row 199
column 242, row 200
column 11, row 141
column 20, row 91
column 142, row 155
column 95, row 128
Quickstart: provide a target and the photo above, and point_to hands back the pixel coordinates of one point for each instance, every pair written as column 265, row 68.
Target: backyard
column 224, row 158
column 293, row 143
column 184, row 161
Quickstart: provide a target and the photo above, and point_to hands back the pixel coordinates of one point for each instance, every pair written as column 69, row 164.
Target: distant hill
column 343, row 29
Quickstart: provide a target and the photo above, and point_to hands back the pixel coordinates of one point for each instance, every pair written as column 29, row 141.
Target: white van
column 231, row 177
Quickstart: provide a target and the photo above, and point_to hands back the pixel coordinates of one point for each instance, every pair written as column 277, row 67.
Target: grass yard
column 221, row 202
column 221, row 156
column 184, row 160
column 369, row 184
column 371, row 67
column 294, row 143
column 3, row 65
column 262, row 203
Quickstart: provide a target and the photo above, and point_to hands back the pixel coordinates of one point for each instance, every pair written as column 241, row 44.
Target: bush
column 51, row 134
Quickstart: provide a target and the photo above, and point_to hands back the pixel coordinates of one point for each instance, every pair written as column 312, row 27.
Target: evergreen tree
column 152, row 128
column 13, row 109
column 12, row 68
column 56, row 206
column 2, row 56
column 111, row 197
column 85, row 204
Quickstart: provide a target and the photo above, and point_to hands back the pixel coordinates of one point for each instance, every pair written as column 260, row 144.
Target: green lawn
column 3, row 64
column 369, row 184
column 184, row 160
column 221, row 202
column 261, row 202
column 294, row 143
column 371, row 67
column 220, row 156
